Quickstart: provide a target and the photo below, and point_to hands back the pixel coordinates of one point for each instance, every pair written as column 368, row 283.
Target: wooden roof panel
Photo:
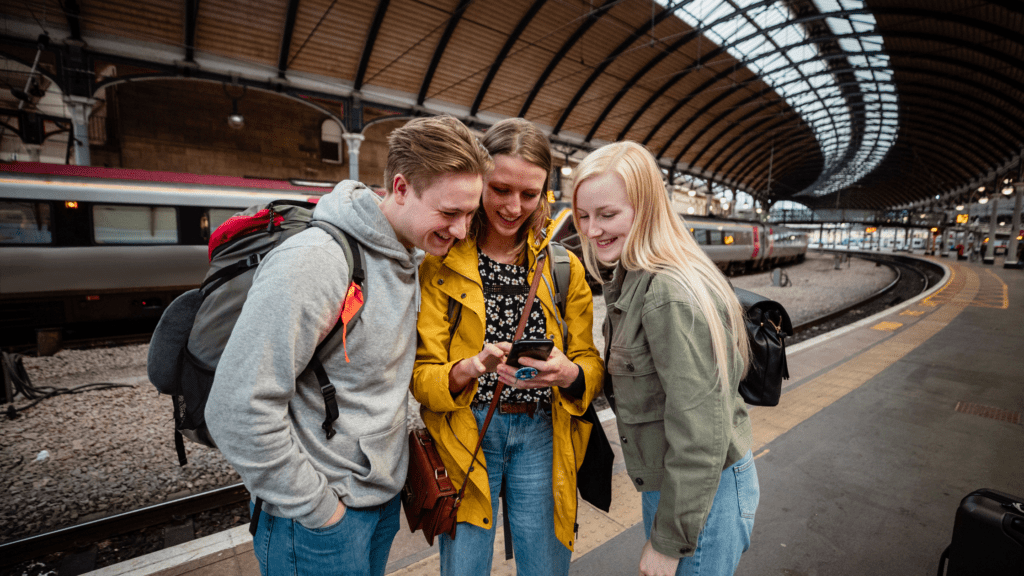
column 218, row 30
column 329, row 41
column 160, row 21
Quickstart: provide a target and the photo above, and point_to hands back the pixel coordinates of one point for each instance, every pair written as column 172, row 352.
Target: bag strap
column 499, row 386
column 358, row 277
column 561, row 274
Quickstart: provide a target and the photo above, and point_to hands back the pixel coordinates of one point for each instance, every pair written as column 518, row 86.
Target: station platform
column 883, row 427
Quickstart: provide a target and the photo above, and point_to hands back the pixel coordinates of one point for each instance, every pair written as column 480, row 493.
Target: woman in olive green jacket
column 536, row 440
column 677, row 348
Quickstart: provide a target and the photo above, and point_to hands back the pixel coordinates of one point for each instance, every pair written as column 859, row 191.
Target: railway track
column 148, row 529
column 913, row 276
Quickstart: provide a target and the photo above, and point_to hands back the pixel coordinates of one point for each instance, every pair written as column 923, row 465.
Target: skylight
column 763, row 37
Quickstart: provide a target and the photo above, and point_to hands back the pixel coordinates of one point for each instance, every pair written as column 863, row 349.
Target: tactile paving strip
column 988, row 412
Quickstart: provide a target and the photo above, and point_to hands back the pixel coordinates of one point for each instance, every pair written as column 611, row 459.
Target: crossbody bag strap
column 499, row 386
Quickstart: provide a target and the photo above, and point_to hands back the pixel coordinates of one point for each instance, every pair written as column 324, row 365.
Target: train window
column 120, row 224
column 218, row 216
column 715, row 237
column 25, row 223
column 744, row 238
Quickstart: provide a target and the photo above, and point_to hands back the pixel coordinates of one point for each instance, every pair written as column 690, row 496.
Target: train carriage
column 94, row 251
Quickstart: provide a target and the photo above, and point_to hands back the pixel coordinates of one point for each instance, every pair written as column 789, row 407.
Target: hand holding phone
column 538, row 349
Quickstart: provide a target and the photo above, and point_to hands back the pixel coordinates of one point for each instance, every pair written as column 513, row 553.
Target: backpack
column 192, row 332
column 767, row 325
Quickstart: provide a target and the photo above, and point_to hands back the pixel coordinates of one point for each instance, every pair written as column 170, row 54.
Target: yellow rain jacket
column 450, row 419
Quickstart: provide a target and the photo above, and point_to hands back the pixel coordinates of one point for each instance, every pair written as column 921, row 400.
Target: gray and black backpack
column 188, row 341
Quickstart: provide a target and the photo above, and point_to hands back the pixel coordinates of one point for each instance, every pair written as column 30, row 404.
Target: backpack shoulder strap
column 561, row 271
column 352, row 307
column 561, row 274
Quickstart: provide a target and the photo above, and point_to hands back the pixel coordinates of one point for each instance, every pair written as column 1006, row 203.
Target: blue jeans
column 726, row 533
column 358, row 545
column 518, row 450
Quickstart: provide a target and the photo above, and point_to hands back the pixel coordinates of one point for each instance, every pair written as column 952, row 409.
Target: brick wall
column 181, row 126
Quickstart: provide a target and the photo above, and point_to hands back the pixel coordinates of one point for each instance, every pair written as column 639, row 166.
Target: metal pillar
column 80, row 108
column 988, row 255
column 1011, row 260
column 353, row 140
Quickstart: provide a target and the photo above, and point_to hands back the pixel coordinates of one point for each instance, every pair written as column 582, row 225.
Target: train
column 89, row 252
column 736, row 246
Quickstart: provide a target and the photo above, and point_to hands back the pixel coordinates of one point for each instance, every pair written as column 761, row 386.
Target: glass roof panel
column 761, row 37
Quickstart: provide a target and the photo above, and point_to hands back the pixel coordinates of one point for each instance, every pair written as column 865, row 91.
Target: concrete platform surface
column 883, row 427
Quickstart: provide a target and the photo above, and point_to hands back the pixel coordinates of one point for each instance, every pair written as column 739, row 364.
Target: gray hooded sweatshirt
column 267, row 420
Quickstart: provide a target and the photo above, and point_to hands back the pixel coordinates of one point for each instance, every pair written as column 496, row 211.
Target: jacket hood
column 355, row 209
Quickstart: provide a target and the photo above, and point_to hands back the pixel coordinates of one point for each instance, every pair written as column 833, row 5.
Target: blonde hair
column 425, row 148
column 519, row 138
column 658, row 242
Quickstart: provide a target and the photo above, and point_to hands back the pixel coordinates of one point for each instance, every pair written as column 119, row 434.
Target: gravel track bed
column 112, row 451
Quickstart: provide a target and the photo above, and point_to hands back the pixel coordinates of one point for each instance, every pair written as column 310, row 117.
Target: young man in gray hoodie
column 331, row 506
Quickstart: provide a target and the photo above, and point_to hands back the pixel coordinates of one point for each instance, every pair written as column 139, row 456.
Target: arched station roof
column 850, row 103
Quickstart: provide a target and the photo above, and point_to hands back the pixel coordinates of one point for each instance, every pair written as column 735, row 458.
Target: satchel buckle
column 437, row 473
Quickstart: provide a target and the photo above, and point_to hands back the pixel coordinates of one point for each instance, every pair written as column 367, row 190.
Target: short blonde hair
column 519, row 138
column 658, row 242
column 425, row 148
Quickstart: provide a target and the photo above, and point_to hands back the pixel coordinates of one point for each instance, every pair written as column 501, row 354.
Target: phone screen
column 539, row 349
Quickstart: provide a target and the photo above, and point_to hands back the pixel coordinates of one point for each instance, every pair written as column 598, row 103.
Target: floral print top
column 505, row 291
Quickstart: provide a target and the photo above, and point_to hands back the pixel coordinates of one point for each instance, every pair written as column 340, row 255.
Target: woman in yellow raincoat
column 536, row 439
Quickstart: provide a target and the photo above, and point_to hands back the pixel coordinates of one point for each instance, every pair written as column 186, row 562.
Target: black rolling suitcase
column 988, row 536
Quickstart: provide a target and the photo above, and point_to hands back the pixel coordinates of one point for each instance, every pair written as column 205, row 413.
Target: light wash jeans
column 726, row 534
column 358, row 545
column 517, row 449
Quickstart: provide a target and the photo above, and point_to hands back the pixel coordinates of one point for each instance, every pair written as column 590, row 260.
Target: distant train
column 103, row 251
column 735, row 246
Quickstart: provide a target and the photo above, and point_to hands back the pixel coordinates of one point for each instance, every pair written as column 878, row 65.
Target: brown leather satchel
column 429, row 498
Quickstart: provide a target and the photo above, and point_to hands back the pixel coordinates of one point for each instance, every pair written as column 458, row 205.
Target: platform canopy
column 866, row 104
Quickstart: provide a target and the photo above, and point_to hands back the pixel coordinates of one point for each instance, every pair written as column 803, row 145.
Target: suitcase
column 988, row 536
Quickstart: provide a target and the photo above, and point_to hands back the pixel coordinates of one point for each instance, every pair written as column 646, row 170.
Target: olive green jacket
column 679, row 430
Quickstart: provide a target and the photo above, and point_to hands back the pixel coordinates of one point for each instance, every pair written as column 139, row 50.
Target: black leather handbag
column 767, row 327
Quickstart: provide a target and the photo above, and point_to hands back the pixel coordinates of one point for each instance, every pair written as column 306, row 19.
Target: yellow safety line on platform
column 801, row 403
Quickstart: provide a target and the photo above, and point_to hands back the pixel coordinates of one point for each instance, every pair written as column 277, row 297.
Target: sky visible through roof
column 762, row 36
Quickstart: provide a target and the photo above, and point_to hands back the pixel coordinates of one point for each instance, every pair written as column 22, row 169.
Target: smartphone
column 539, row 349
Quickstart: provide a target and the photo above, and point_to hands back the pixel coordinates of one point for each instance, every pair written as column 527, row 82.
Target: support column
column 353, row 141
column 80, row 108
column 988, row 255
column 1011, row 260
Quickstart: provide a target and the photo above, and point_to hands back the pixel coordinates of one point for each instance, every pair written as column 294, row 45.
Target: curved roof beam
column 442, row 44
column 371, row 40
column 1010, row 102
column 509, row 43
column 994, row 125
column 1014, row 62
column 588, row 21
column 949, row 162
column 997, row 30
column 286, row 35
column 635, row 79
column 600, row 68
column 926, row 92
column 191, row 16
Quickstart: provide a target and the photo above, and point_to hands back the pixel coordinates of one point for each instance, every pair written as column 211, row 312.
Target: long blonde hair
column 658, row 242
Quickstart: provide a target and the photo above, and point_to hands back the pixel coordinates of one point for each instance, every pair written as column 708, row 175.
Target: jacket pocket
column 639, row 396
column 387, row 455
